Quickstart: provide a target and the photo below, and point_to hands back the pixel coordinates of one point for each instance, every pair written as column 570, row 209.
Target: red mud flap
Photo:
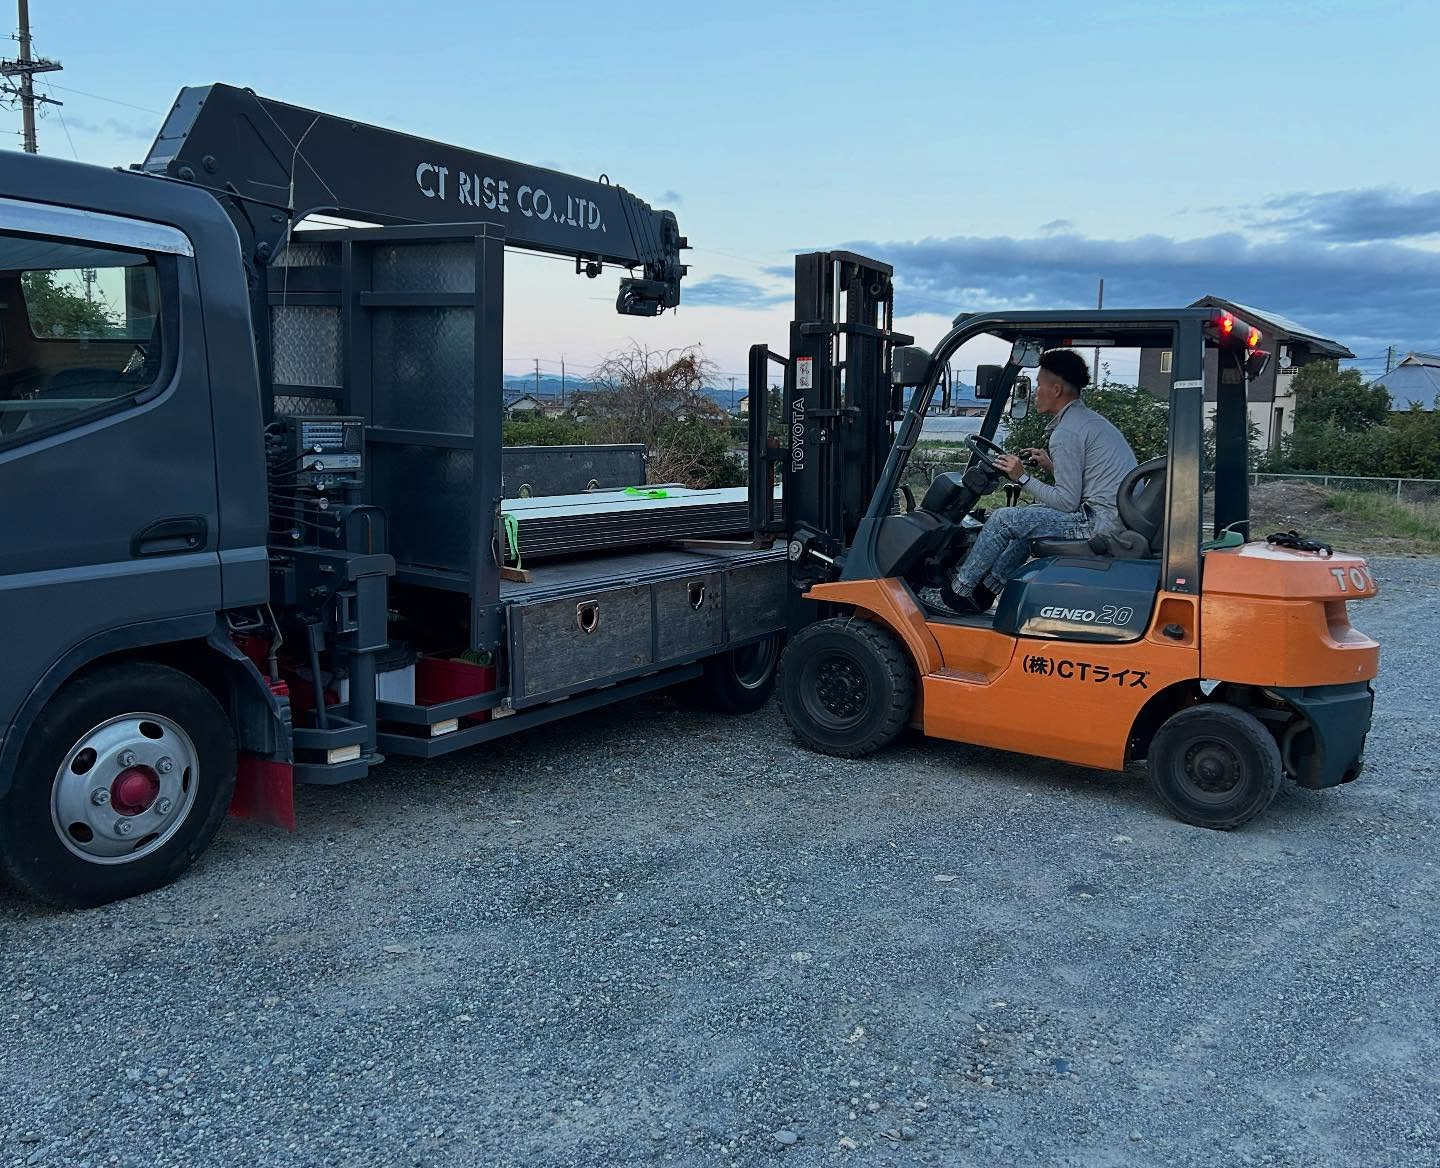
column 264, row 792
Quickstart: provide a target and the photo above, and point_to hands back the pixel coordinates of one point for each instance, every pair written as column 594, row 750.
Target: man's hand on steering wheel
column 1010, row 466
column 992, row 456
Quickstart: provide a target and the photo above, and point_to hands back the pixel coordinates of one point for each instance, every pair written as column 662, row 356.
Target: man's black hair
column 1068, row 366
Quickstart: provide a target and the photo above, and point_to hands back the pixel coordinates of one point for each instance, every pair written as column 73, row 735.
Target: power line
column 144, row 109
column 69, row 139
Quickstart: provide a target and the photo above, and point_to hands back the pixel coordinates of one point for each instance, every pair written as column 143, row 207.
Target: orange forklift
column 1226, row 664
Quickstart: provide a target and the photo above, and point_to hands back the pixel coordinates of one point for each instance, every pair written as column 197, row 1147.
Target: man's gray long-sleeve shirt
column 1091, row 460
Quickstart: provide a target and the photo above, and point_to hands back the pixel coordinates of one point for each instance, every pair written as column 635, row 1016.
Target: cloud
column 111, row 128
column 1367, row 295
column 732, row 292
column 670, row 198
column 1057, row 227
column 1358, row 216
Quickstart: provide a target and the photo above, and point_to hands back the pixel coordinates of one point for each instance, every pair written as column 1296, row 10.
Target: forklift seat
column 1141, row 503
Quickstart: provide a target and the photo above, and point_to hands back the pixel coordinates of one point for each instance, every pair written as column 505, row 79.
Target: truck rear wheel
column 739, row 681
column 124, row 780
column 1215, row 765
column 847, row 687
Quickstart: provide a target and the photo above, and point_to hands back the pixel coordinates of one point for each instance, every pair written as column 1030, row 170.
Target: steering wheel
column 985, row 450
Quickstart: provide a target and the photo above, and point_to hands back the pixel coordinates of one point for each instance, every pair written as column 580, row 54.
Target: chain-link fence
column 1403, row 490
column 925, row 465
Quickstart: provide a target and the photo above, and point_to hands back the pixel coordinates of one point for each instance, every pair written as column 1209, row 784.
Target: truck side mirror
column 1020, row 398
column 987, row 378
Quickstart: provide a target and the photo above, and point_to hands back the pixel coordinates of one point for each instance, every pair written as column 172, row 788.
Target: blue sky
column 1280, row 154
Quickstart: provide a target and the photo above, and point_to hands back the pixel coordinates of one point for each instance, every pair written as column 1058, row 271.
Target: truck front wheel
column 123, row 781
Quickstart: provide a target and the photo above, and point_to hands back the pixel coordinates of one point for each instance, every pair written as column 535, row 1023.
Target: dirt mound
column 1289, row 504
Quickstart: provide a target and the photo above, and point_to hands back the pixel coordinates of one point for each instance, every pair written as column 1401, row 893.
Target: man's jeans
column 1004, row 543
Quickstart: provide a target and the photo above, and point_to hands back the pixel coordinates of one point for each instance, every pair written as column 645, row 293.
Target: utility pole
column 732, row 395
column 24, row 67
column 537, row 379
column 562, row 381
column 1095, row 364
column 1389, row 357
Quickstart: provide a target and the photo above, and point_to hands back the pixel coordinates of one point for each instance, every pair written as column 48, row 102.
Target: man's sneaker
column 964, row 605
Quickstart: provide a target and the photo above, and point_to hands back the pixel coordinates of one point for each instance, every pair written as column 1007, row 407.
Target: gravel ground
column 657, row 936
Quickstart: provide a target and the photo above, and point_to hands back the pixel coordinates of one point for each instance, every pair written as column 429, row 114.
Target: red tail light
column 1228, row 330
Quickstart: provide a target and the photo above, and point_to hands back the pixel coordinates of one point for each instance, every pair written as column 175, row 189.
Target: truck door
column 108, row 519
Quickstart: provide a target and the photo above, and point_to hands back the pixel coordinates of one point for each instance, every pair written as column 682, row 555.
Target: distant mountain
column 549, row 389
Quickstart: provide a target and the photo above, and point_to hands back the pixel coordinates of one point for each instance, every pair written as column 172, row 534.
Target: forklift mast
column 839, row 406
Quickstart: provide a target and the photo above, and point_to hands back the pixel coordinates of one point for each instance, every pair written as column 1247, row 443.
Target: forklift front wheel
column 123, row 781
column 847, row 687
column 1215, row 765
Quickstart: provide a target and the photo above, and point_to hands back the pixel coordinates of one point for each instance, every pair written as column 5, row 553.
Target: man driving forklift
column 1225, row 665
column 1088, row 458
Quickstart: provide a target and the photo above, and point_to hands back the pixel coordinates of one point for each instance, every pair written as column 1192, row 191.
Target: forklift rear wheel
column 123, row 781
column 847, row 687
column 737, row 682
column 1215, row 765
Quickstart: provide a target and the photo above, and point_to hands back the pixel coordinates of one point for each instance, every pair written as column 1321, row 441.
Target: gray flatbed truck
column 251, row 486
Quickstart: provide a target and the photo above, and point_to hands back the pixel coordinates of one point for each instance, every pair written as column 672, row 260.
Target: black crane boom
column 272, row 164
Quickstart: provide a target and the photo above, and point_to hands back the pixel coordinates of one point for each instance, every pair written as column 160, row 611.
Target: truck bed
column 614, row 570
column 590, row 631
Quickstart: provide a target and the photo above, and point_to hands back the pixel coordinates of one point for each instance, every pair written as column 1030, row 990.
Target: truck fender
column 262, row 719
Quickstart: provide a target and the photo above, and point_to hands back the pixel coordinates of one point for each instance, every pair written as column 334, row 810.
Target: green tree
column 1135, row 412
column 1342, row 423
column 58, row 311
column 1326, row 393
column 694, row 452
column 534, row 429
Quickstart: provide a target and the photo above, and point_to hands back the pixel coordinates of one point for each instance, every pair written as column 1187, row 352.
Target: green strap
column 642, row 493
column 512, row 536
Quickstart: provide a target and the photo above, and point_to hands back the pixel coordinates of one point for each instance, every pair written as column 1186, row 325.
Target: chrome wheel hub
column 125, row 788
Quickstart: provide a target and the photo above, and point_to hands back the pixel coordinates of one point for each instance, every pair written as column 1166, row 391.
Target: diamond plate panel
column 307, row 255
column 305, row 405
column 424, row 267
column 426, row 494
column 423, row 368
column 305, row 342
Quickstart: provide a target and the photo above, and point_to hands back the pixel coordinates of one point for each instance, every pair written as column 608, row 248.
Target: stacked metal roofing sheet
column 564, row 525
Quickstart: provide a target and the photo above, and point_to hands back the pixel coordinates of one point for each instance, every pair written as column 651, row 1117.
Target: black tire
column 34, row 852
column 739, row 681
column 847, row 687
column 1215, row 766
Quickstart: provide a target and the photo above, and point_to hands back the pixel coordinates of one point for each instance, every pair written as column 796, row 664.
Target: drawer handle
column 697, row 595
column 587, row 616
